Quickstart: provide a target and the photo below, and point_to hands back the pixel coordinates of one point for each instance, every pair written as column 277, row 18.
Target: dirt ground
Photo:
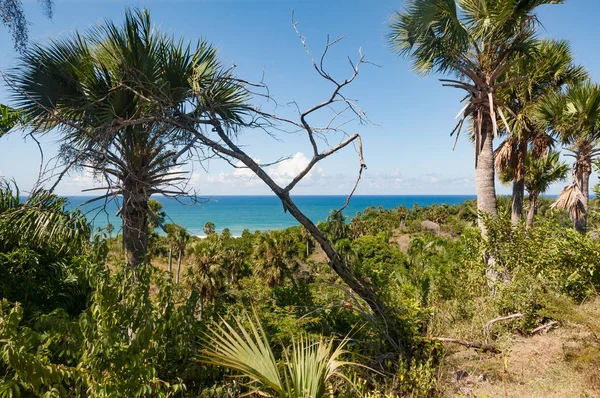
column 565, row 362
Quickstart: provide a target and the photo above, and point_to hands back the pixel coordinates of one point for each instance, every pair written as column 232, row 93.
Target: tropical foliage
column 40, row 252
column 8, row 119
column 540, row 173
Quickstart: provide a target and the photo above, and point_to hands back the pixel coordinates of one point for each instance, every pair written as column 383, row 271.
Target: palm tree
column 209, row 228
column 574, row 116
column 101, row 89
column 8, row 119
column 209, row 276
column 547, row 70
column 275, row 256
column 110, row 229
column 477, row 40
column 177, row 237
column 540, row 173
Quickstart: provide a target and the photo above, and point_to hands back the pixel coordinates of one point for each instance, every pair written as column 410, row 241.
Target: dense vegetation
column 86, row 327
column 369, row 306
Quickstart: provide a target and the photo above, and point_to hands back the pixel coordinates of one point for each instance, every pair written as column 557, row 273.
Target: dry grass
column 402, row 240
column 318, row 256
column 562, row 363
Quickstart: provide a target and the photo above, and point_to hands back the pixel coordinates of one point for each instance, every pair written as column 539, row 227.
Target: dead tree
column 224, row 146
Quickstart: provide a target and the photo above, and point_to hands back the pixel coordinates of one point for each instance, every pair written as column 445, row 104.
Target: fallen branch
column 543, row 328
column 488, row 326
column 469, row 344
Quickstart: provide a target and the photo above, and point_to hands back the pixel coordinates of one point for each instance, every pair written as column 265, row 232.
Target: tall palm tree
column 548, row 69
column 477, row 40
column 101, row 90
column 540, row 173
column 574, row 116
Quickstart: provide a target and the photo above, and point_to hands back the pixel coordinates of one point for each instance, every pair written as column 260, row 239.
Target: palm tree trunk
column 178, row 267
column 484, row 175
column 485, row 186
column 584, row 170
column 135, row 221
column 518, row 192
column 532, row 210
column 171, row 258
column 517, row 200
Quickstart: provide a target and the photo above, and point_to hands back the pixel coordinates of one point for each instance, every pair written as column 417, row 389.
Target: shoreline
column 264, row 213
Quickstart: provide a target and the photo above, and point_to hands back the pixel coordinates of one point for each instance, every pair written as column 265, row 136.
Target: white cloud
column 75, row 184
column 284, row 171
column 431, row 179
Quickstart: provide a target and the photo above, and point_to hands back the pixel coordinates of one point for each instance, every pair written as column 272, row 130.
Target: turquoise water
column 259, row 212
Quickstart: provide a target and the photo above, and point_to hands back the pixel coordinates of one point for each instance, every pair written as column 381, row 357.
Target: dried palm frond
column 506, row 160
column 571, row 199
column 503, row 156
column 541, row 144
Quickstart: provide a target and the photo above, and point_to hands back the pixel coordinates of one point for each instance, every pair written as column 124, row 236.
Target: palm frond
column 309, row 366
column 246, row 351
column 541, row 172
column 571, row 199
column 312, row 365
column 42, row 220
column 8, row 119
column 505, row 157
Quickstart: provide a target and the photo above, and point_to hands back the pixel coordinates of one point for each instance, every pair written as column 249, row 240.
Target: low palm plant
column 308, row 366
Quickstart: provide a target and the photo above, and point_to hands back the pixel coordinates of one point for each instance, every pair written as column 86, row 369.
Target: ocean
column 257, row 212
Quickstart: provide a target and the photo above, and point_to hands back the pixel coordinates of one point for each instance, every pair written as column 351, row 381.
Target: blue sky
column 408, row 149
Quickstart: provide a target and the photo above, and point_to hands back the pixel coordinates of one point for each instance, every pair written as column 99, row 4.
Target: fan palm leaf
column 543, row 172
column 309, row 366
column 246, row 351
column 42, row 220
